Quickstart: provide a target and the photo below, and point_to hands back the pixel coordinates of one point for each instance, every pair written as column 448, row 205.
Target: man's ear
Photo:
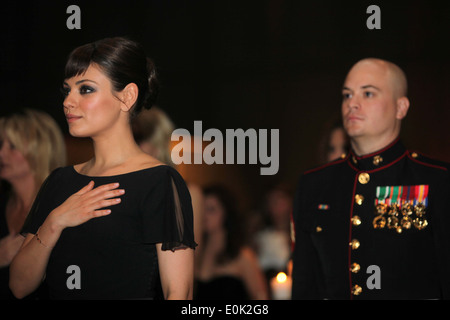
column 402, row 107
column 129, row 95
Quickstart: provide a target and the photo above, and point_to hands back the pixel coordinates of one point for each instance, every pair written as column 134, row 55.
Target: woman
column 31, row 146
column 227, row 268
column 273, row 242
column 334, row 143
column 89, row 238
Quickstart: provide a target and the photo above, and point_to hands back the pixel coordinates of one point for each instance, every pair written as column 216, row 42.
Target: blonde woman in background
column 31, row 146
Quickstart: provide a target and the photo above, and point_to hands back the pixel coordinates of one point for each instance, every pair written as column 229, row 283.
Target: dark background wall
column 241, row 64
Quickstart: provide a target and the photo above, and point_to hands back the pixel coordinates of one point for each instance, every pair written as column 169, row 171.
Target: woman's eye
column 65, row 91
column 86, row 89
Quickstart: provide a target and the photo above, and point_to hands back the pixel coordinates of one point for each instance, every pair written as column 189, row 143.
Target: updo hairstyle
column 123, row 61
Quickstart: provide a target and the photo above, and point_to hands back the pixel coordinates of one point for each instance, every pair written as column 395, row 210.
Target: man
column 374, row 224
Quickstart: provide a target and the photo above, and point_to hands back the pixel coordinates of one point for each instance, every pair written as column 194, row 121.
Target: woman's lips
column 72, row 118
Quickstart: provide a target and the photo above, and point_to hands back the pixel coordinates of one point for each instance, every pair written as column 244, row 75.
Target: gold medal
column 394, row 210
column 407, row 211
column 379, row 222
column 392, row 222
column 420, row 209
column 406, row 222
column 381, row 208
column 420, row 223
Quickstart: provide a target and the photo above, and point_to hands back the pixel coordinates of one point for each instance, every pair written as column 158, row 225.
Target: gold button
column 318, row 229
column 343, row 155
column 356, row 290
column 359, row 199
column 414, row 155
column 377, row 160
column 354, row 160
column 354, row 244
column 356, row 220
column 364, row 178
column 355, row 267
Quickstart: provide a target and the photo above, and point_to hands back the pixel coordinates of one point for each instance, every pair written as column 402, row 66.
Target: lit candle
column 281, row 287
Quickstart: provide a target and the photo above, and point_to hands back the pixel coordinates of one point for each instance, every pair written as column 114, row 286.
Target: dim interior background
column 269, row 64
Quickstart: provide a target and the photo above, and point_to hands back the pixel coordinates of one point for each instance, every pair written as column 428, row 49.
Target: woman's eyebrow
column 80, row 81
column 85, row 80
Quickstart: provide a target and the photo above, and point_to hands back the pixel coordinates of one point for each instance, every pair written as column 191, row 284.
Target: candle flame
column 281, row 277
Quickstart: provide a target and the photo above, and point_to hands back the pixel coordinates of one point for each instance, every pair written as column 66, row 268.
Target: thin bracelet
column 40, row 241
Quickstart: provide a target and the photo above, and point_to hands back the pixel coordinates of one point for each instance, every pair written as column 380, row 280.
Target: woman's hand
column 28, row 268
column 9, row 246
column 85, row 205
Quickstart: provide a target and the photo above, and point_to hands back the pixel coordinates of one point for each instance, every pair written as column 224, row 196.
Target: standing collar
column 384, row 157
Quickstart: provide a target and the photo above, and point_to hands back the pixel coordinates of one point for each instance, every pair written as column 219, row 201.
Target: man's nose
column 354, row 102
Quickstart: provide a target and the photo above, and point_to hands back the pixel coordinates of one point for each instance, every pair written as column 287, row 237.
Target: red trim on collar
column 376, row 152
column 380, row 168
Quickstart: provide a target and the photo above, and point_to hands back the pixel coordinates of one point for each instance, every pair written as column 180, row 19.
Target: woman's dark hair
column 123, row 61
column 233, row 224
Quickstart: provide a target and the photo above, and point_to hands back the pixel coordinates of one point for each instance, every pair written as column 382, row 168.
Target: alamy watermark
column 235, row 147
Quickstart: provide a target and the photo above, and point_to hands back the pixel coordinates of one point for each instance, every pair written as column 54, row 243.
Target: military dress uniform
column 373, row 227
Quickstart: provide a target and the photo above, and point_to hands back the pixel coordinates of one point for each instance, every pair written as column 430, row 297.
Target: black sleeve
column 38, row 212
column 305, row 283
column 441, row 227
column 167, row 213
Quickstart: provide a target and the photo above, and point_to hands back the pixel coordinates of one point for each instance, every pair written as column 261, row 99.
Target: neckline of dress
column 120, row 174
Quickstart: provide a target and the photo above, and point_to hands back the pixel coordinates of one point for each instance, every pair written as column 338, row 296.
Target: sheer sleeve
column 168, row 214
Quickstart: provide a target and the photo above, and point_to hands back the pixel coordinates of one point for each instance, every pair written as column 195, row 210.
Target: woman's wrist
column 49, row 232
column 53, row 224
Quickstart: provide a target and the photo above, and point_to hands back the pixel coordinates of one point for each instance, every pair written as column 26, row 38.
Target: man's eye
column 368, row 94
column 86, row 89
column 346, row 95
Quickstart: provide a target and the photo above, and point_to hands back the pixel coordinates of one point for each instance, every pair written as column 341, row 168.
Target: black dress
column 115, row 255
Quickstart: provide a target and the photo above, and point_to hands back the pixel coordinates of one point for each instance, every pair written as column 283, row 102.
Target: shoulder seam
column 326, row 165
column 426, row 164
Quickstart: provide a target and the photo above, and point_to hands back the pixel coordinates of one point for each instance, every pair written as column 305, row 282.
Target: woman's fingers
column 86, row 188
column 106, row 198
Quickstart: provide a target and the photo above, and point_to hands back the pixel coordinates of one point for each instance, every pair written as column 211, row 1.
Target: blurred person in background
column 334, row 143
column 31, row 146
column 273, row 242
column 227, row 268
column 152, row 130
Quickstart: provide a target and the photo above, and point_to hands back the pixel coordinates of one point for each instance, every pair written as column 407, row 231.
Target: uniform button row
column 355, row 267
column 359, row 199
column 354, row 244
column 356, row 220
column 356, row 290
column 364, row 178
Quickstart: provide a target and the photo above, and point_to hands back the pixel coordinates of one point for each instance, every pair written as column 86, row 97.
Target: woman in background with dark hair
column 334, row 142
column 227, row 268
column 112, row 227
